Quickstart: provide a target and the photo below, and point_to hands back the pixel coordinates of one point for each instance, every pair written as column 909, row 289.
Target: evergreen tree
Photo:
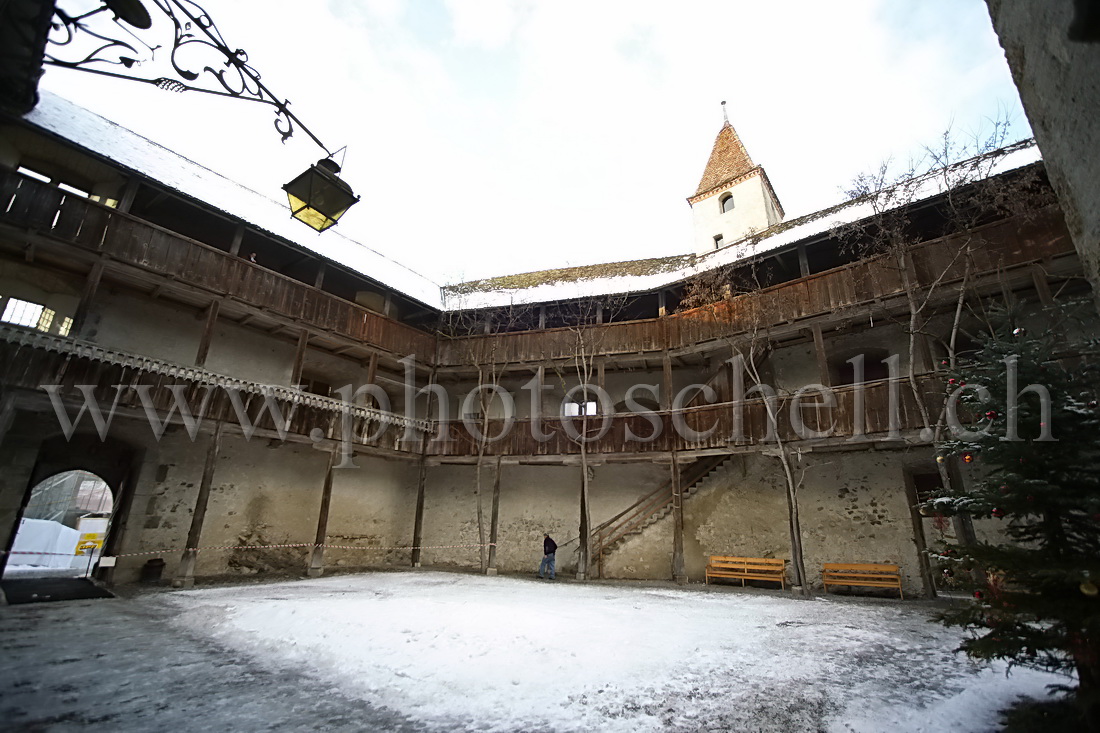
column 1036, row 450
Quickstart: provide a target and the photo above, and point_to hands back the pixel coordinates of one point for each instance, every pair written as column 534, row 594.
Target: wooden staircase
column 647, row 510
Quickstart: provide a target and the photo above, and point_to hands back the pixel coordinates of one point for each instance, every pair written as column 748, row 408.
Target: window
column 22, row 313
column 726, row 202
column 33, row 315
column 718, row 241
column 34, row 174
column 72, row 189
column 576, row 409
column 66, row 325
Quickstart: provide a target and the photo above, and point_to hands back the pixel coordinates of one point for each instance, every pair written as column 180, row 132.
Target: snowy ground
column 463, row 652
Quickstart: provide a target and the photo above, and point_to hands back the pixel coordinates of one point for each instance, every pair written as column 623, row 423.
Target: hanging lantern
column 318, row 197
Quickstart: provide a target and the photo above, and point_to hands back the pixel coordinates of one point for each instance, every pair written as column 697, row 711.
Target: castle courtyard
column 444, row 651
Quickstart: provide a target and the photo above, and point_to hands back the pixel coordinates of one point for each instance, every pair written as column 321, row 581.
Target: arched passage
column 110, row 463
column 62, row 528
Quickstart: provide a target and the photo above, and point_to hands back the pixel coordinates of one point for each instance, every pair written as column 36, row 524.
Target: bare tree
column 474, row 336
column 716, row 291
column 584, row 319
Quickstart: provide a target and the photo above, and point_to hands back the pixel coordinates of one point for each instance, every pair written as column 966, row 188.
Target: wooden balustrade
column 48, row 210
column 302, row 414
column 887, row 406
column 1004, row 245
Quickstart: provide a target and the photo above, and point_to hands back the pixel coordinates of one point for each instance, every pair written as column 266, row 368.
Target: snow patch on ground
column 461, row 652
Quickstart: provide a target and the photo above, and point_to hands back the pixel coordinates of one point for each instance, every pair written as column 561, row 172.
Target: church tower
column 734, row 198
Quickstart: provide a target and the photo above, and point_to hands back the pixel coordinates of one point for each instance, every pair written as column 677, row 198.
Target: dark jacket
column 549, row 547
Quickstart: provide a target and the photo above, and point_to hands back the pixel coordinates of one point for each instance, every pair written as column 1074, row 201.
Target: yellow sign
column 88, row 542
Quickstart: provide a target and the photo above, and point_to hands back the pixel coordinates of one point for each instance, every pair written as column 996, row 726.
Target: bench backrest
column 869, row 567
column 723, row 561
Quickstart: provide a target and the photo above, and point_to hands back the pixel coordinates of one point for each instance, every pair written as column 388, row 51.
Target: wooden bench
column 747, row 568
column 874, row 575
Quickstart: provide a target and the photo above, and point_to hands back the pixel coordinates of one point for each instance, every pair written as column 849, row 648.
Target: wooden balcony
column 30, row 205
column 711, row 428
column 30, row 359
column 1006, row 247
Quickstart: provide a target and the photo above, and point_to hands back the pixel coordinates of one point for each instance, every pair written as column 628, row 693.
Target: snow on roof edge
column 1011, row 157
column 60, row 117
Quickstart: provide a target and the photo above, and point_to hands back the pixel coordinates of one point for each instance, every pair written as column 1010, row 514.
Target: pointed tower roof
column 728, row 160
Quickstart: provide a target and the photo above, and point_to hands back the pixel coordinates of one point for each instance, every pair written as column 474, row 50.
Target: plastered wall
column 753, row 211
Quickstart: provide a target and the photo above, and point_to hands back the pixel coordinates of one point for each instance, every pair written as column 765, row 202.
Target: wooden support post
column 679, row 571
column 1042, row 287
column 207, row 333
column 819, row 353
column 319, row 280
column 494, row 524
column 922, row 359
column 666, row 384
column 388, row 308
column 7, row 413
column 421, row 481
column 418, row 519
column 600, row 375
column 662, row 304
column 128, row 195
column 372, row 375
column 542, row 317
column 803, row 262
column 91, row 285
column 599, row 312
column 299, row 358
column 238, row 237
column 185, row 577
column 317, row 557
column 918, row 536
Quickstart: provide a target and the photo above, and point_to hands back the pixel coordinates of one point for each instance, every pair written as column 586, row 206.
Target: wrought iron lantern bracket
column 101, row 40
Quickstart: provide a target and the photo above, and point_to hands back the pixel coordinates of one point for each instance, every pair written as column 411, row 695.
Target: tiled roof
column 728, row 160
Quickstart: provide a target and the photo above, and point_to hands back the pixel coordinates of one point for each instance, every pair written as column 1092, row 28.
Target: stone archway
column 111, row 460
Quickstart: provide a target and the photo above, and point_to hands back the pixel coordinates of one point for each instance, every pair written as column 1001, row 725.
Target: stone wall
column 1059, row 83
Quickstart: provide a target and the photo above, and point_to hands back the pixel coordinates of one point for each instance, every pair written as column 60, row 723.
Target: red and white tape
column 258, row 547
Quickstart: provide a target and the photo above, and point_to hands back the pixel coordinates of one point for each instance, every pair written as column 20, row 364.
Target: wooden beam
column 666, row 384
column 91, row 285
column 542, row 317
column 803, row 261
column 494, row 523
column 319, row 280
column 207, row 333
column 662, row 304
column 317, row 557
column 185, row 577
column 679, row 571
column 299, row 357
column 372, row 374
column 128, row 195
column 238, row 237
column 1042, row 287
column 819, row 354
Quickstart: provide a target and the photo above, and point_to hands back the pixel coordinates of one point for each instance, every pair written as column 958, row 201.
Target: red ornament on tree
column 998, row 513
column 979, row 595
column 968, row 457
column 991, row 415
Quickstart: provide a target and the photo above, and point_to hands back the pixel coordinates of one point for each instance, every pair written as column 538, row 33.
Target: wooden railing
column 47, row 210
column 81, row 370
column 708, row 427
column 1005, row 245
column 647, row 509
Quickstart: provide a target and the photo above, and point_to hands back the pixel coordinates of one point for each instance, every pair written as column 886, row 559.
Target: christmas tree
column 1029, row 429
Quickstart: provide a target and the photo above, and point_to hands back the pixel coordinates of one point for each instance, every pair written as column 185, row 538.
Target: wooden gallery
column 258, row 400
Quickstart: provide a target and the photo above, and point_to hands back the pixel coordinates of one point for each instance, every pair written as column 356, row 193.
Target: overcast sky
column 498, row 136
